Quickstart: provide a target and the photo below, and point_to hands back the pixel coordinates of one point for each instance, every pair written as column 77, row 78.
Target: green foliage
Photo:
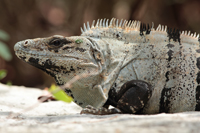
column 3, row 73
column 79, row 41
column 4, row 53
column 9, row 83
column 59, row 94
column 4, row 36
column 4, row 50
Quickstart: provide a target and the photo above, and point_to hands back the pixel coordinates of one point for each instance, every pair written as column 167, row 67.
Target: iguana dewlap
column 132, row 66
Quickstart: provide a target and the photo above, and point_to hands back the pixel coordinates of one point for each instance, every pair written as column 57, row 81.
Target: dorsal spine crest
column 124, row 27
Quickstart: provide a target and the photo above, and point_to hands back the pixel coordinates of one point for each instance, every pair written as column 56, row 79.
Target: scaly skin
column 133, row 67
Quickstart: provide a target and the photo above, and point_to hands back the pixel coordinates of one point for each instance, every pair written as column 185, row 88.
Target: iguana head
column 61, row 57
column 66, row 57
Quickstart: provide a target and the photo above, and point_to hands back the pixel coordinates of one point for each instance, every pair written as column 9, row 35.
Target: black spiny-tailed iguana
column 133, row 67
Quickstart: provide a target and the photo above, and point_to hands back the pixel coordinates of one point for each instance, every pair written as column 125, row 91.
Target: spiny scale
column 101, row 24
column 113, row 23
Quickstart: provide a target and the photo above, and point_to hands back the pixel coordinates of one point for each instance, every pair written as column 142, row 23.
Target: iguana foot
column 99, row 111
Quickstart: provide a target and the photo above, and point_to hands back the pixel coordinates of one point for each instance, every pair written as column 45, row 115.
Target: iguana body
column 133, row 67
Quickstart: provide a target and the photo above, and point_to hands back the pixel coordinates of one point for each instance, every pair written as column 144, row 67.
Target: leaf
column 5, row 52
column 9, row 83
column 3, row 73
column 59, row 94
column 4, row 36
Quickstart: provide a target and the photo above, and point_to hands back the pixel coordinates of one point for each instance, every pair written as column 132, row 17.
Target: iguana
column 132, row 66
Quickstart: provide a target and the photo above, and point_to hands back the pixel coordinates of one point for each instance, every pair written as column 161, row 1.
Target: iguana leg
column 133, row 95
column 131, row 98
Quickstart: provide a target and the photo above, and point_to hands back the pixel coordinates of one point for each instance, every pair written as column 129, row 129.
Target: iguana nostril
column 25, row 43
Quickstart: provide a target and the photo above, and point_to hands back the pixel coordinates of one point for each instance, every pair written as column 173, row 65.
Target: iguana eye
column 55, row 42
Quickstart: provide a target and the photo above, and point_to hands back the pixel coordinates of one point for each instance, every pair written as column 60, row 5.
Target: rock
column 58, row 116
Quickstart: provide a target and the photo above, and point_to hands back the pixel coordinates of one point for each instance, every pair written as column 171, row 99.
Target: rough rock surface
column 62, row 117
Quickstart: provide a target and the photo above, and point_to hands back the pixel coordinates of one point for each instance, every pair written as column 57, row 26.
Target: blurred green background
column 24, row 19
